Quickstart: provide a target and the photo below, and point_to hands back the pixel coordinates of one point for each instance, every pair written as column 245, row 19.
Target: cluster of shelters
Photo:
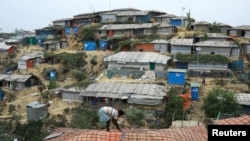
column 190, row 132
column 131, row 93
column 127, row 23
column 18, row 82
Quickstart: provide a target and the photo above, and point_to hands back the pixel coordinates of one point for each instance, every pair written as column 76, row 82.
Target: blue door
column 195, row 93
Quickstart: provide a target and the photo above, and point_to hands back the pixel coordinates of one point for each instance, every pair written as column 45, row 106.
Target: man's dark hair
column 121, row 112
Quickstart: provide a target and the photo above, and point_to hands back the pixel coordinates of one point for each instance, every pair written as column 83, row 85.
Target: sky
column 34, row 14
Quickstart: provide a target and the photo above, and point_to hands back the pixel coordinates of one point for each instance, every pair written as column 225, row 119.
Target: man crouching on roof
column 106, row 114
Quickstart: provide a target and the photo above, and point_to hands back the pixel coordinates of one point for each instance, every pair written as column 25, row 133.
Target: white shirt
column 111, row 112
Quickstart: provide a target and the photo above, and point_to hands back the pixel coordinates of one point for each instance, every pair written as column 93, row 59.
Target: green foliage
column 12, row 108
column 36, row 130
column 88, row 33
column 73, row 61
column 214, row 27
column 93, row 61
column 14, row 85
column 154, row 29
column 220, row 100
column 79, row 75
column 66, row 110
column 138, row 41
column 45, row 95
column 2, row 106
column 12, row 56
column 135, row 116
column 161, row 83
column 82, row 84
column 205, row 37
column 45, row 72
column 188, row 28
column 52, row 84
column 84, row 118
column 32, row 131
column 70, row 60
column 12, row 96
column 57, row 121
column 65, row 69
column 174, row 107
column 48, row 54
column 203, row 58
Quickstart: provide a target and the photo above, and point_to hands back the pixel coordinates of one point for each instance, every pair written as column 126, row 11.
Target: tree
column 214, row 27
column 220, row 100
column 154, row 29
column 189, row 21
column 174, row 107
column 205, row 36
column 88, row 33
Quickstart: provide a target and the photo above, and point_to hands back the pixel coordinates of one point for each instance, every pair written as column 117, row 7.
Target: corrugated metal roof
column 208, row 67
column 201, row 23
column 31, row 55
column 177, row 70
column 183, row 41
column 85, row 15
column 62, row 20
column 15, row 77
column 243, row 120
column 216, row 44
column 72, row 89
column 125, row 9
column 52, row 42
column 185, row 123
column 117, row 90
column 195, row 84
column 140, row 57
column 243, row 99
column 242, row 27
column 109, row 13
column 3, row 46
column 195, row 133
column 223, row 24
column 165, row 25
column 216, row 35
column 132, row 13
column 166, row 16
column 127, row 26
column 180, row 18
column 35, row 104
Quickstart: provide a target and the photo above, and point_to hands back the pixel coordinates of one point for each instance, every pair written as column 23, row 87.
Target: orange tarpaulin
column 187, row 99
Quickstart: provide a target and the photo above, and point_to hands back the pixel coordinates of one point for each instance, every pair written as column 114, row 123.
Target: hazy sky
column 34, row 14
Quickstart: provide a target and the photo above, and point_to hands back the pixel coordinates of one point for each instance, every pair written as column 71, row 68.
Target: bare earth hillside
column 26, row 96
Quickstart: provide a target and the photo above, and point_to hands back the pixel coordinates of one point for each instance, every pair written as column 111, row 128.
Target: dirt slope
column 28, row 95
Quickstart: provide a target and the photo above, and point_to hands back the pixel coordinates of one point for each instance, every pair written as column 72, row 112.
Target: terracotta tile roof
column 243, row 120
column 196, row 133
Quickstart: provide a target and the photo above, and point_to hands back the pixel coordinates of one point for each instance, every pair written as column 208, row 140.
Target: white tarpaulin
column 145, row 100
